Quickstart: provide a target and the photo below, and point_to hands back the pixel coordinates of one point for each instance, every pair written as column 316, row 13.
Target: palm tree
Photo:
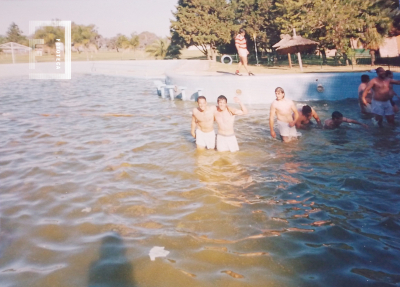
column 158, row 48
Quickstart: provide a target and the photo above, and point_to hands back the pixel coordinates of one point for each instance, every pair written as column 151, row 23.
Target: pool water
column 98, row 170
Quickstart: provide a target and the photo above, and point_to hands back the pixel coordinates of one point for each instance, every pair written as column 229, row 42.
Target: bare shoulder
column 273, row 104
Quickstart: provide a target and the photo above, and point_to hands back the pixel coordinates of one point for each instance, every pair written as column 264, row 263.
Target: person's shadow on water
column 112, row 269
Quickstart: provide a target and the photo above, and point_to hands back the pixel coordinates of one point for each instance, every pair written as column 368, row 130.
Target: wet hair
column 201, row 97
column 379, row 68
column 279, row 89
column 336, row 115
column 241, row 30
column 388, row 73
column 221, row 97
column 364, row 78
column 306, row 110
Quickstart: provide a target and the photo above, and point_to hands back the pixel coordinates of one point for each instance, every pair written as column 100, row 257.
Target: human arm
column 295, row 115
column 316, row 117
column 366, row 91
column 243, row 110
column 271, row 120
column 394, row 82
column 193, row 127
column 299, row 125
column 354, row 122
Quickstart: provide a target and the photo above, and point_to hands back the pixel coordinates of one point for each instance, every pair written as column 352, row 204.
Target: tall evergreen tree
column 203, row 23
column 14, row 34
column 257, row 18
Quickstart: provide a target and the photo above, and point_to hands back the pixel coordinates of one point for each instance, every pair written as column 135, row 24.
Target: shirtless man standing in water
column 287, row 115
column 380, row 105
column 225, row 118
column 203, row 117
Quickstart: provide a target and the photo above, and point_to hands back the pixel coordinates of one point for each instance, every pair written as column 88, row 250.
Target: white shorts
column 285, row 130
column 227, row 143
column 205, row 139
column 243, row 52
column 382, row 108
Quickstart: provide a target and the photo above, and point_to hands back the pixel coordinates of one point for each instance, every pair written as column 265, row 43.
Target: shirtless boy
column 287, row 115
column 338, row 119
column 225, row 118
column 381, row 98
column 365, row 109
column 203, row 118
column 305, row 115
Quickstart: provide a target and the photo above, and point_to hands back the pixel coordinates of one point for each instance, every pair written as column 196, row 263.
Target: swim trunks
column 227, row 143
column 205, row 139
column 382, row 108
column 285, row 130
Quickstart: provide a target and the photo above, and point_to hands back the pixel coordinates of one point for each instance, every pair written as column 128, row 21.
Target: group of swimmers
column 375, row 98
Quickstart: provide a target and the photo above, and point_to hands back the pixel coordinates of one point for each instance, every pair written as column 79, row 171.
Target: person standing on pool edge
column 203, row 118
column 240, row 43
column 380, row 104
column 287, row 115
column 225, row 118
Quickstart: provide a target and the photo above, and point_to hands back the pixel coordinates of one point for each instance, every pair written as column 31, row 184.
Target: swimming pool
column 98, row 170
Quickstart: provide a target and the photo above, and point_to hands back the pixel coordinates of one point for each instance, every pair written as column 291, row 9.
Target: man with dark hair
column 240, row 43
column 338, row 119
column 380, row 103
column 203, row 118
column 365, row 109
column 305, row 115
column 225, row 118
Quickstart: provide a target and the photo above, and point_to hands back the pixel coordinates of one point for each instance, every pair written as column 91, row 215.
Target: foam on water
column 98, row 170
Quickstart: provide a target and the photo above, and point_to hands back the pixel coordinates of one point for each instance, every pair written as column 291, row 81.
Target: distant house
column 11, row 47
column 391, row 47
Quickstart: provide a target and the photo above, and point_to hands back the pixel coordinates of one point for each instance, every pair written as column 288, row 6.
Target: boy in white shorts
column 225, row 118
column 287, row 115
column 203, row 119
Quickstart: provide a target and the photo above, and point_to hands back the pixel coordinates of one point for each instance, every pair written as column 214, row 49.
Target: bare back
column 361, row 89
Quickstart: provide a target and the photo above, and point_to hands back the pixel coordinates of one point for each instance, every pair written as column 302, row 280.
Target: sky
column 110, row 16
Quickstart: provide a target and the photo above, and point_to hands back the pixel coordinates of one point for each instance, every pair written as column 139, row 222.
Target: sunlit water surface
column 98, row 170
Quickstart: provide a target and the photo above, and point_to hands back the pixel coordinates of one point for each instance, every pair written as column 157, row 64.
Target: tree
column 3, row 39
column 333, row 22
column 257, row 18
column 158, row 48
column 50, row 35
column 204, row 23
column 82, row 35
column 14, row 34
